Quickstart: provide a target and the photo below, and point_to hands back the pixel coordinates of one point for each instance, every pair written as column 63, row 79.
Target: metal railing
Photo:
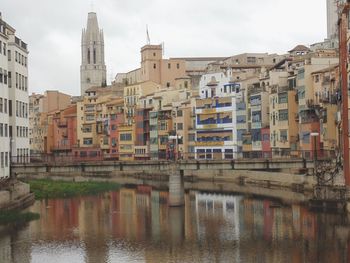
column 173, row 156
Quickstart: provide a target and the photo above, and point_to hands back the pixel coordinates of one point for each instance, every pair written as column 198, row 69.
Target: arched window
column 94, row 55
column 88, row 55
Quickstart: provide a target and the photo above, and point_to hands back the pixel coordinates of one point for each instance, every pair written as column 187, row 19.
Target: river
column 135, row 224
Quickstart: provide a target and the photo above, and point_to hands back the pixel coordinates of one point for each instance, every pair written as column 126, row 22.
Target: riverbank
column 17, row 217
column 47, row 188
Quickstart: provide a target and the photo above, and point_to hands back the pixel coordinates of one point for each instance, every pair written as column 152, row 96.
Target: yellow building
column 93, row 120
column 126, row 142
column 185, row 125
column 326, row 97
column 283, row 124
column 132, row 94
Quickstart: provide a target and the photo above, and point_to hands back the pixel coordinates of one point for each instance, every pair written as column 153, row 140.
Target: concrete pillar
column 176, row 188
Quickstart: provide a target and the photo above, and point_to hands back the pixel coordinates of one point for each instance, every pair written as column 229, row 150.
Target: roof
column 299, row 48
column 331, row 67
column 115, row 101
column 200, row 58
column 92, row 89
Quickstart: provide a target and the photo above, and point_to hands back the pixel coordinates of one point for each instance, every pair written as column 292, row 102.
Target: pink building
column 265, row 143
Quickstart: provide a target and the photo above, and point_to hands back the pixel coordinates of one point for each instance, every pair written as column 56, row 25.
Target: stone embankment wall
column 16, row 195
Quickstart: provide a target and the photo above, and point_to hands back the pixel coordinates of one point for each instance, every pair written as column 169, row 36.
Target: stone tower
column 332, row 19
column 93, row 68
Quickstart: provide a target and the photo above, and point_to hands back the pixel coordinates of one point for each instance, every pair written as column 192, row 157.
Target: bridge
column 150, row 166
column 259, row 172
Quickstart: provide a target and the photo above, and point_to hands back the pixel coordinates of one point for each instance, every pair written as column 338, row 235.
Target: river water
column 136, row 224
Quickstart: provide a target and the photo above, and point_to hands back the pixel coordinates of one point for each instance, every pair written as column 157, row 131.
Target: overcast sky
column 52, row 30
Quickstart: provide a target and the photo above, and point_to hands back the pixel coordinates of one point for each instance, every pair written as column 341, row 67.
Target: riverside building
column 14, row 101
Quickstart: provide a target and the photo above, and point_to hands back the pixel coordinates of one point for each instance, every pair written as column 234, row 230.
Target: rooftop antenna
column 92, row 6
column 148, row 38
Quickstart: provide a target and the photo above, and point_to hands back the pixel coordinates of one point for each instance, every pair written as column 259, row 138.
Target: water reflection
column 137, row 225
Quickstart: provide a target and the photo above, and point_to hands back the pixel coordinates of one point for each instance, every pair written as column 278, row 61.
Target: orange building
column 62, row 131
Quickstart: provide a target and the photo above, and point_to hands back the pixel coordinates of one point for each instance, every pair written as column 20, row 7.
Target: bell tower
column 93, row 68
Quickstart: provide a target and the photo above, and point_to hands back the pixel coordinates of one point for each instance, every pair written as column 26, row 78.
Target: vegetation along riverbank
column 45, row 188
column 17, row 217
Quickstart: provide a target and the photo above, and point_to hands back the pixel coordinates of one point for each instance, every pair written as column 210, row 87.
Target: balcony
column 215, row 121
column 206, row 144
column 61, row 148
column 62, row 124
column 214, row 103
column 90, row 108
column 256, row 146
column 308, row 116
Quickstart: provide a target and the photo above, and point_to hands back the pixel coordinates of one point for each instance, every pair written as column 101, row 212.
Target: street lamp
column 315, row 135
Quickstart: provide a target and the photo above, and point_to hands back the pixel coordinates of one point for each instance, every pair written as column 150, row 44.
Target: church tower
column 93, row 68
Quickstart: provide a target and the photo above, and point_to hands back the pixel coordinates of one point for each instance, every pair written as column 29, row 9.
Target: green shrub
column 61, row 189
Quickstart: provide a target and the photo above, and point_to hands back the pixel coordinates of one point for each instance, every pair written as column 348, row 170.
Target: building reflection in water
column 13, row 247
column 137, row 225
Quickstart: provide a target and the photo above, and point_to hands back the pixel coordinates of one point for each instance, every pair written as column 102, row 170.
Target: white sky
column 52, row 30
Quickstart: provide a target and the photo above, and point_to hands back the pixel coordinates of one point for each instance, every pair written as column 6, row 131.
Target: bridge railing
column 207, row 156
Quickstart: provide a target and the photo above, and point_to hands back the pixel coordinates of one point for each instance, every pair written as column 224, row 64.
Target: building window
column 87, row 141
column 10, row 108
column 154, row 66
column 283, row 135
column 305, row 137
column 177, row 65
column 282, row 98
column 168, row 84
column 154, row 54
column 283, row 115
column 125, row 137
column 179, row 113
column 94, row 55
column 180, row 126
column 169, row 65
column 88, row 55
column 191, row 137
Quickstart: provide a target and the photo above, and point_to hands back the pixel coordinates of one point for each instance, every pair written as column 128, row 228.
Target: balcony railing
column 215, row 121
column 275, row 154
column 62, row 124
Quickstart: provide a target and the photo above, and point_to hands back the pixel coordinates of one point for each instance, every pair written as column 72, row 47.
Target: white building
column 14, row 98
column 93, row 68
column 216, row 116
